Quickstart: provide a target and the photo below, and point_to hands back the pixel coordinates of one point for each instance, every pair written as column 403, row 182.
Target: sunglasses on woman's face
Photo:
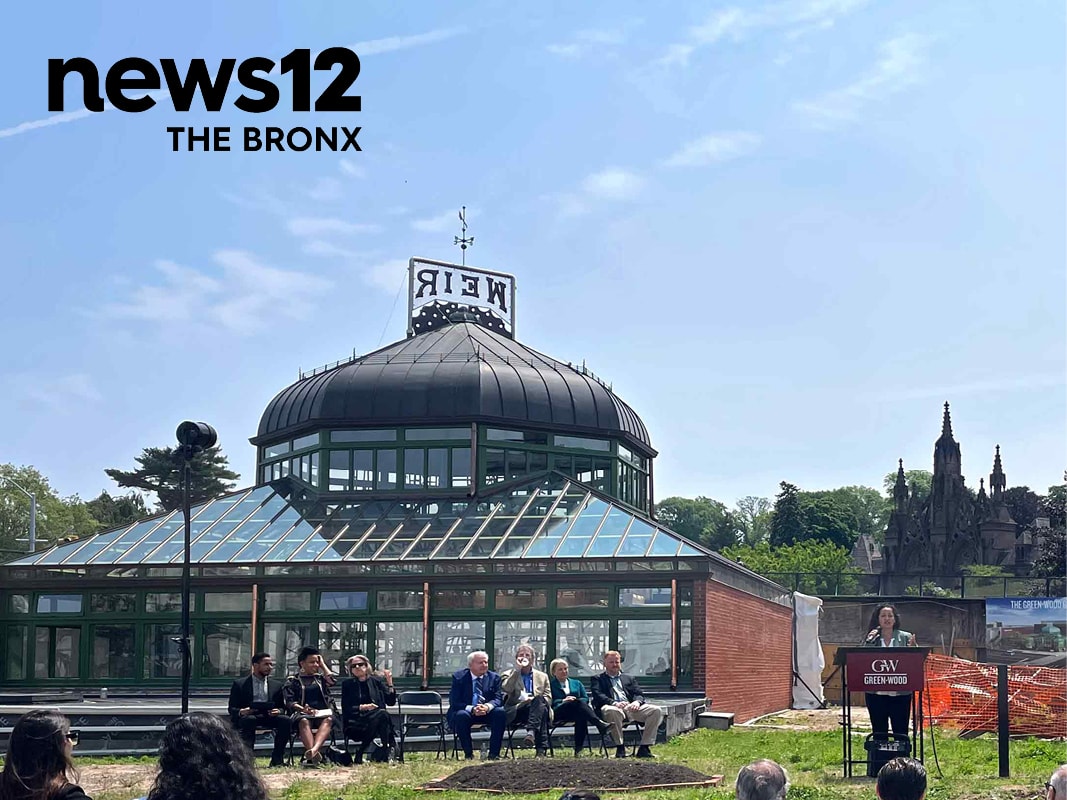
column 360, row 665
column 73, row 736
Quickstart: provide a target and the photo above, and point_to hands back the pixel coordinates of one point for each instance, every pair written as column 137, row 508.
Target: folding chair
column 294, row 734
column 639, row 728
column 435, row 722
column 588, row 738
column 261, row 731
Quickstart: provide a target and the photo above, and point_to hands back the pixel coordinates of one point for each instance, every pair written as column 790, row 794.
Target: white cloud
column 714, row 149
column 613, row 184
column 351, row 168
column 243, row 299
column 899, row 67
column 60, row 393
column 325, row 190
column 387, row 275
column 320, row 226
column 440, row 223
column 587, row 41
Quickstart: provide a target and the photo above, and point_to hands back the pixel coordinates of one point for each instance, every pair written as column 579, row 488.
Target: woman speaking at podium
column 888, row 707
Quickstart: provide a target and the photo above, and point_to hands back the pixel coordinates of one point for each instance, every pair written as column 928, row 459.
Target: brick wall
column 745, row 653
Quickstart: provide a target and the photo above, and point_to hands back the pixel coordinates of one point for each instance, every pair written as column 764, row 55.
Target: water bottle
column 103, row 693
column 483, row 753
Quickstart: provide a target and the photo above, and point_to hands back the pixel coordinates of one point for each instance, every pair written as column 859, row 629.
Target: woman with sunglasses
column 38, row 765
column 364, row 697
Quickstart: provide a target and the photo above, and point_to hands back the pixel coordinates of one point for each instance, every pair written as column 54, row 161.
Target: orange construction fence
column 963, row 694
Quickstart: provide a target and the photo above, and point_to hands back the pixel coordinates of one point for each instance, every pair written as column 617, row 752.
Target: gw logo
column 884, row 665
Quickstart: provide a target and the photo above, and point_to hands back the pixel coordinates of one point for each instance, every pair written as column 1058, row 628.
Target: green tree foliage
column 1054, row 505
column 1023, row 505
column 703, row 520
column 870, row 508
column 801, row 516
column 160, row 472
column 787, row 520
column 920, row 482
column 112, row 512
column 1051, row 560
column 985, row 571
column 57, row 518
column 818, row 567
column 753, row 514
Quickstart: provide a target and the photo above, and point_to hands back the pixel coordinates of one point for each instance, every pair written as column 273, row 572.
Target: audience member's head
column 478, row 662
column 309, row 660
column 38, row 762
column 901, row 779
column 761, row 780
column 262, row 665
column 559, row 669
column 1056, row 788
column 359, row 666
column 202, row 756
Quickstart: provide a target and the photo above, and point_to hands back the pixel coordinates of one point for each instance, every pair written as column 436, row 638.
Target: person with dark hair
column 307, row 697
column 761, row 780
column 38, row 764
column 364, row 698
column 256, row 703
column 570, row 703
column 200, row 756
column 887, row 708
column 901, row 779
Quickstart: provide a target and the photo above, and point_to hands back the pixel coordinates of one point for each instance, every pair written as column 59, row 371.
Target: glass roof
column 551, row 516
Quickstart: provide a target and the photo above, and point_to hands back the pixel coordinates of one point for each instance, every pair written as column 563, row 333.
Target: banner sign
column 1026, row 623
column 876, row 671
column 440, row 293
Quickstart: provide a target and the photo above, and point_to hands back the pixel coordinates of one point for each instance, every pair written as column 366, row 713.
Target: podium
column 881, row 669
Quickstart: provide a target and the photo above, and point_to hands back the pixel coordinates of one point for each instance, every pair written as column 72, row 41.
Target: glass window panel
column 537, row 462
column 275, row 471
column 19, row 603
column 495, row 529
column 689, row 550
column 162, row 657
column 139, row 552
column 333, row 530
column 583, row 442
column 461, row 466
column 583, row 469
column 564, row 464
column 453, row 642
column 340, row 470
column 227, row 650
column 339, row 640
column 386, row 469
column 516, row 463
column 414, row 467
column 386, row 525
column 110, row 546
column 305, row 468
column 625, row 453
column 402, row 539
column 16, row 652
column 283, row 640
column 363, row 436
column 264, row 473
column 509, row 634
column 526, row 437
column 227, row 601
column 494, row 466
column 166, row 602
column 437, row 468
column 664, row 545
column 400, row 600
column 583, row 598
column 261, row 504
column 685, row 648
column 41, row 661
column 59, row 604
column 253, row 539
column 610, row 533
column 645, row 597
column 112, row 603
column 637, row 539
column 515, row 599
column 315, row 468
column 274, row 450
column 601, row 478
column 439, row 527
column 582, row 643
column 343, row 601
column 114, row 652
column 288, row 543
column 361, row 517
column 363, row 470
column 468, row 526
column 581, row 532
column 284, row 468
column 311, row 440
column 645, row 645
column 312, row 547
column 434, row 434
column 56, row 652
column 398, row 647
column 451, row 599
column 287, row 601
column 547, row 540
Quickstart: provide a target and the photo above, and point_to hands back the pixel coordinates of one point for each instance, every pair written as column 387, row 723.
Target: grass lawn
column 812, row 759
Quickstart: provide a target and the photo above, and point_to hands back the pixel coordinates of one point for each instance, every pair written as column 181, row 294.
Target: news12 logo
column 130, row 82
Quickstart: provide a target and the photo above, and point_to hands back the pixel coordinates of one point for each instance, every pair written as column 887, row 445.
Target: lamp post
column 192, row 438
column 33, row 512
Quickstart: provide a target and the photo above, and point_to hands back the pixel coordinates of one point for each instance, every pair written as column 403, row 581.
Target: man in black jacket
column 256, row 703
column 617, row 698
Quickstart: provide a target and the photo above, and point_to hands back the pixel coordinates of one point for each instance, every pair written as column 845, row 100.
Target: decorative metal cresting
column 463, row 240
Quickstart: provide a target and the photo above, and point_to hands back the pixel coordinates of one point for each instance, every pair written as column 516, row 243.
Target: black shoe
column 469, row 756
column 620, row 752
column 540, row 752
column 528, row 739
column 644, row 752
column 274, row 764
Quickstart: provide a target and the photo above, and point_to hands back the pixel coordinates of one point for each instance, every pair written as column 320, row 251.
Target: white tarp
column 808, row 660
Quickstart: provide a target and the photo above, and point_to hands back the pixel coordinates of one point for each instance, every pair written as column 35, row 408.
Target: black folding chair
column 294, row 734
column 429, row 720
column 588, row 738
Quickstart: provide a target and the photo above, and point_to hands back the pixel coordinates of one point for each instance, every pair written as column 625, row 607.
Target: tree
column 920, row 482
column 828, row 519
column 1024, row 506
column 702, row 519
column 1055, row 506
column 161, row 472
column 819, row 567
column 753, row 515
column 113, row 512
column 56, row 518
column 1051, row 561
column 870, row 508
column 787, row 521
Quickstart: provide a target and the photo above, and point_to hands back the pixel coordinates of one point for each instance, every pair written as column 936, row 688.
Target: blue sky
column 786, row 232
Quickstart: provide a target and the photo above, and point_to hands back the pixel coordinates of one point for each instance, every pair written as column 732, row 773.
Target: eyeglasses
column 73, row 736
column 360, row 664
column 1048, row 785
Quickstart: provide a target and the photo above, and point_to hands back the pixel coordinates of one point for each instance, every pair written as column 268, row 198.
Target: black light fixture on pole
column 192, row 438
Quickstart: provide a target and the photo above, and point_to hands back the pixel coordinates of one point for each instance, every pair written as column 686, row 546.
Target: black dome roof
column 461, row 372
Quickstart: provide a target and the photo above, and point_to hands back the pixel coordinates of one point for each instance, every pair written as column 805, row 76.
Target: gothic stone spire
column 998, row 481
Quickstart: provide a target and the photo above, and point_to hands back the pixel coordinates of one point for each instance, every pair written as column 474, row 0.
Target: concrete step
column 715, row 720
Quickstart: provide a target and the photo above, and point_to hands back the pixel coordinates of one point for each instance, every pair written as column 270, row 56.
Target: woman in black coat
column 364, row 697
column 38, row 765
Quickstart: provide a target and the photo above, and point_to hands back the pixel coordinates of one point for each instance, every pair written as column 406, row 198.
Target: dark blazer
column 241, row 695
column 462, row 692
column 604, row 695
column 294, row 694
column 380, row 694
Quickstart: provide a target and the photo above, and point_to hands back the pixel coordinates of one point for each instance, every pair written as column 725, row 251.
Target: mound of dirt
column 538, row 775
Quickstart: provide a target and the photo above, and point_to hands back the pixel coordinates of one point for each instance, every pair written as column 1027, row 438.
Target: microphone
column 872, row 636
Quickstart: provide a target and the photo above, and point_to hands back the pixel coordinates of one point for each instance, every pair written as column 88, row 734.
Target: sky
column 785, row 232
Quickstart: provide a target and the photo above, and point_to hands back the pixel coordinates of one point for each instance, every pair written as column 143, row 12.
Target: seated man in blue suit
column 477, row 698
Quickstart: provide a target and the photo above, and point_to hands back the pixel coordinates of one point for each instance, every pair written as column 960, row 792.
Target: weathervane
column 463, row 241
